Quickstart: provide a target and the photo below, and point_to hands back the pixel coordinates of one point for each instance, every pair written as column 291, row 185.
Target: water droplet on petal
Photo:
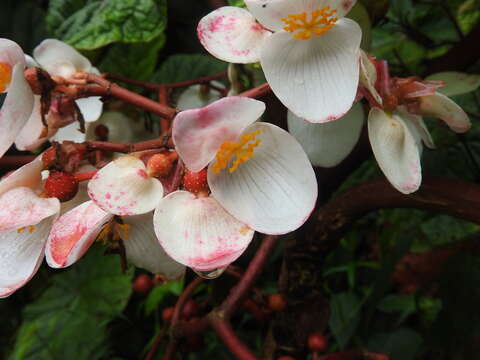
column 210, row 274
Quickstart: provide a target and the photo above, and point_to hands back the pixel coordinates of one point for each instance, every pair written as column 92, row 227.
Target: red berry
column 159, row 165
column 277, row 302
column 167, row 314
column 317, row 342
column 142, row 284
column 190, row 309
column 61, row 185
column 49, row 157
column 196, row 182
column 101, row 132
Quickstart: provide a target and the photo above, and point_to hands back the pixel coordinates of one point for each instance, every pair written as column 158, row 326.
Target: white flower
column 311, row 60
column 259, row 177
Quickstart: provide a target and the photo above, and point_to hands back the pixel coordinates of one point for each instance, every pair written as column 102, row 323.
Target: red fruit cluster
column 62, row 185
column 196, row 182
column 142, row 284
column 160, row 165
column 49, row 157
column 277, row 302
column 317, row 342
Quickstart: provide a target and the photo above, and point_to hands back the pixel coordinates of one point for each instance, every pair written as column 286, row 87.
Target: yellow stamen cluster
column 322, row 20
column 30, row 228
column 242, row 150
column 5, row 76
column 114, row 231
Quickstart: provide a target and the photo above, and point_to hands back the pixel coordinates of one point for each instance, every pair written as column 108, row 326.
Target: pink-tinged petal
column 59, row 58
column 73, row 233
column 11, row 53
column 90, row 107
column 316, row 79
column 275, row 191
column 271, row 12
column 397, row 149
column 34, row 133
column 442, row 107
column 29, row 175
column 198, row 232
column 16, row 109
column 143, row 250
column 417, row 126
column 21, row 254
column 198, row 133
column 123, row 187
column 20, row 207
column 368, row 76
column 328, row 144
column 232, row 34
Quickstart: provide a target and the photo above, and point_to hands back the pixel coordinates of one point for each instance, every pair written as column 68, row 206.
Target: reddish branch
column 158, row 143
column 198, row 81
column 224, row 330
column 354, row 355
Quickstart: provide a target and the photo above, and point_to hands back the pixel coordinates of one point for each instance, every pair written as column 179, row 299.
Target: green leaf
column 403, row 344
column 344, row 317
column 97, row 23
column 159, row 293
column 187, row 67
column 457, row 83
column 69, row 320
column 404, row 304
column 239, row 3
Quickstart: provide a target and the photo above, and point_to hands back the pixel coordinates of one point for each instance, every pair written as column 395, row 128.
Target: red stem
column 147, row 85
column 257, row 92
column 129, row 148
column 354, row 355
column 202, row 80
column 224, row 330
column 85, row 175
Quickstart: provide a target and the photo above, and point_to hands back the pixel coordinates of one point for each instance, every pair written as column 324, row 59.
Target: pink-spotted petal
column 21, row 254
column 123, row 187
column 198, row 232
column 59, row 58
column 275, row 191
column 73, row 233
column 90, row 107
column 442, row 107
column 327, row 145
column 21, row 206
column 144, row 251
column 198, row 133
column 397, row 148
column 271, row 12
column 16, row 109
column 232, row 34
column 29, row 175
column 316, row 79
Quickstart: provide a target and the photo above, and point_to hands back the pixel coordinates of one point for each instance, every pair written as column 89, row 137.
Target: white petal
column 397, row 150
column 194, row 97
column 198, row 232
column 442, row 107
column 316, row 79
column 90, row 107
column 70, row 132
column 59, row 58
column 16, row 109
column 416, row 125
column 368, row 76
column 232, row 34
column 457, row 83
column 275, row 191
column 328, row 144
column 198, row 134
column 29, row 175
column 11, row 53
column 271, row 12
column 143, row 250
column 20, row 207
column 73, row 233
column 34, row 133
column 30, row 61
column 124, row 188
column 21, row 254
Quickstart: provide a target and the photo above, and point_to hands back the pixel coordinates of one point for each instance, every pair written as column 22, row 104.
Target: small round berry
column 317, row 342
column 159, row 165
column 196, row 182
column 277, row 302
column 49, row 157
column 62, row 185
column 167, row 314
column 101, row 132
column 190, row 309
column 142, row 284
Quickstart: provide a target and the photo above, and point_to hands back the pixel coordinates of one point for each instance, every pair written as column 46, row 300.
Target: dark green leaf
column 403, row 344
column 345, row 316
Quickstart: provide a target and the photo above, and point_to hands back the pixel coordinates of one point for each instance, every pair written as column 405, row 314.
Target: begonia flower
column 19, row 102
column 259, row 176
column 308, row 50
column 25, row 221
